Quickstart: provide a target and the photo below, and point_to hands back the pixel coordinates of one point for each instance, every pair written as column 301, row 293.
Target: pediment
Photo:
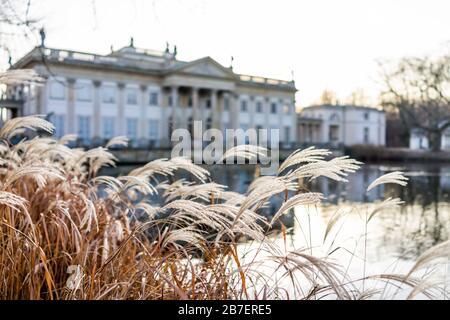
column 206, row 67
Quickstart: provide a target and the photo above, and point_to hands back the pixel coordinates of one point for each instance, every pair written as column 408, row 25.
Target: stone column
column 197, row 130
column 267, row 111
column 143, row 130
column 164, row 120
column 97, row 111
column 221, row 108
column 195, row 105
column 175, row 107
column 251, row 111
column 280, row 113
column 215, row 117
column 121, row 109
column 234, row 110
column 71, row 128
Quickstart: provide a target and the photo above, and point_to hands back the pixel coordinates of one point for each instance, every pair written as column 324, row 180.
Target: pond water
column 395, row 238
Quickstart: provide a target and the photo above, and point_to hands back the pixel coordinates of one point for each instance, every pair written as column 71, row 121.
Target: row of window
column 259, row 107
column 83, row 92
column 108, row 127
column 334, row 117
column 131, row 126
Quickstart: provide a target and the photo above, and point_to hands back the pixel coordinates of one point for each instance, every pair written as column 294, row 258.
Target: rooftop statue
column 42, row 34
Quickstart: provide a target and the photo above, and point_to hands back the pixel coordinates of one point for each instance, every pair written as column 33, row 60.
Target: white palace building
column 342, row 125
column 145, row 94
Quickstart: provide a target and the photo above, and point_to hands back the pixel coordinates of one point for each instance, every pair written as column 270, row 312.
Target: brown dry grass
column 67, row 233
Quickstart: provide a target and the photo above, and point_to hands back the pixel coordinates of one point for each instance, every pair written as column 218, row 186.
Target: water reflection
column 423, row 222
column 395, row 237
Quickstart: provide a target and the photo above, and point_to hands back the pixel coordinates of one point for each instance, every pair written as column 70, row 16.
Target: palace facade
column 146, row 94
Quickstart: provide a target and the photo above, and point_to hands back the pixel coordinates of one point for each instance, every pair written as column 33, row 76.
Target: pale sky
column 327, row 43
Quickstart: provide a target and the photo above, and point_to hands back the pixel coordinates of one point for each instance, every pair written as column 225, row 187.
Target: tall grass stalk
column 58, row 215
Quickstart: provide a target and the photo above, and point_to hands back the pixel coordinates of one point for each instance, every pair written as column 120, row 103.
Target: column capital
column 97, row 83
column 71, row 80
column 143, row 87
column 121, row 85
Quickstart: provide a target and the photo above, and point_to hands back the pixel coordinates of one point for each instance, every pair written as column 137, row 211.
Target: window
column 108, row 127
column 84, row 128
column 190, row 102
column 153, row 129
column 57, row 90
column 131, row 96
column 446, row 141
column 153, row 101
column 259, row 107
column 366, row 135
column 83, row 92
column 366, row 116
column 287, row 131
column 108, row 94
column 58, row 122
column 226, row 103
column 132, row 128
column 208, row 103
column 273, row 107
column 333, row 134
column 244, row 106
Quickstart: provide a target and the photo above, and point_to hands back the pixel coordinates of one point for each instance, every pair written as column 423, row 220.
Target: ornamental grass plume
column 58, row 216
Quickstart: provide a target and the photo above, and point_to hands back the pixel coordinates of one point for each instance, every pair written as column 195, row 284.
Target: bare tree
column 328, row 97
column 358, row 98
column 419, row 90
column 16, row 24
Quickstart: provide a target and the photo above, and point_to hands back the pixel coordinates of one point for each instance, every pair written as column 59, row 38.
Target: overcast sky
column 327, row 43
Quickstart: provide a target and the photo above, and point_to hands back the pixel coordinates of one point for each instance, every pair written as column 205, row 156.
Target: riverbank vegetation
column 68, row 233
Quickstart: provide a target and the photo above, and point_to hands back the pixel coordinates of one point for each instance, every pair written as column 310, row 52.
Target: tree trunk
column 435, row 140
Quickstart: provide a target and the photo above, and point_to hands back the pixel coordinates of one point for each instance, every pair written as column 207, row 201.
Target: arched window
column 334, row 117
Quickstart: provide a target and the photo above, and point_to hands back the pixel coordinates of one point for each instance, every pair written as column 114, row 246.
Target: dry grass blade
column 392, row 177
column 186, row 164
column 16, row 126
column 119, row 141
column 335, row 169
column 13, row 201
column 438, row 252
column 338, row 215
column 244, row 151
column 67, row 138
column 308, row 155
column 310, row 198
column 21, row 76
column 389, row 203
